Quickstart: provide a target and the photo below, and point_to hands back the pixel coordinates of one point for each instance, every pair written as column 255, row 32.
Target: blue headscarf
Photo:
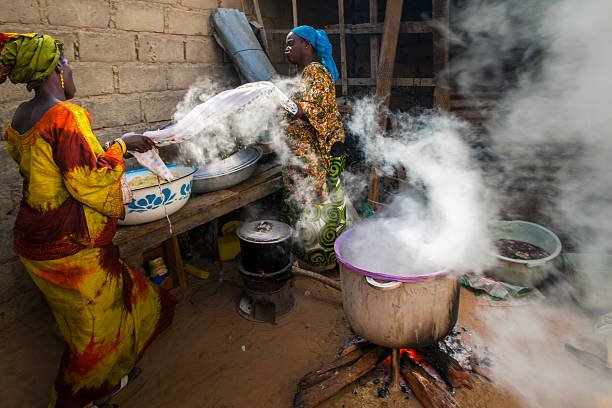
column 319, row 41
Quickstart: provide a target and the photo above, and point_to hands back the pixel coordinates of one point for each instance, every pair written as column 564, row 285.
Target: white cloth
column 216, row 109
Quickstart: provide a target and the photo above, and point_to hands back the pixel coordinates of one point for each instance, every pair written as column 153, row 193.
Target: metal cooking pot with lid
column 395, row 310
column 265, row 245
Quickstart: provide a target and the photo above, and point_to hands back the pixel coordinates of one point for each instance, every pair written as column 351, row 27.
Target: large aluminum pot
column 397, row 311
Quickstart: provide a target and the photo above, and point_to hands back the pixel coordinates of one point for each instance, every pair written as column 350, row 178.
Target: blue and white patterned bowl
column 154, row 202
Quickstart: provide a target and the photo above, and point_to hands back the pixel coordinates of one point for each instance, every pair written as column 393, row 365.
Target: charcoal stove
column 265, row 267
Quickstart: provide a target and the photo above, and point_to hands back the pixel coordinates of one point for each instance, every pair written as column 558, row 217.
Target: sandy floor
column 211, row 357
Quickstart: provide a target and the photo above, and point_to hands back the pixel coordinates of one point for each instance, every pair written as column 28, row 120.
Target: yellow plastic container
column 228, row 244
column 229, row 247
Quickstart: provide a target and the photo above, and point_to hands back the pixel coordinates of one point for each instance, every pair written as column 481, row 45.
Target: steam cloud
column 552, row 138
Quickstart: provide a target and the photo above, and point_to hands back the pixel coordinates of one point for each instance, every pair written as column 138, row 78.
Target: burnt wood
column 326, row 371
column 314, row 395
column 429, row 392
column 448, row 368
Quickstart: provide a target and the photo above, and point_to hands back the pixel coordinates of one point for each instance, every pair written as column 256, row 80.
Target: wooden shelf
column 200, row 209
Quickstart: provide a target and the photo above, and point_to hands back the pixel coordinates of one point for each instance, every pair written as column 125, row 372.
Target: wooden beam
column 384, row 77
column 406, row 27
column 388, row 50
column 441, row 66
column 263, row 28
column 374, row 40
column 425, row 82
column 343, row 68
column 295, row 15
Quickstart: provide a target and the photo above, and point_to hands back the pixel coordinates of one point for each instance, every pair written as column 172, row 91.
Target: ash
column 454, row 346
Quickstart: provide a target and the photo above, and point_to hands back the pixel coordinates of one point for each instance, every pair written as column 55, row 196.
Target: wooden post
column 374, row 40
column 175, row 262
column 295, row 16
column 263, row 28
column 441, row 66
column 384, row 77
column 343, row 69
column 395, row 366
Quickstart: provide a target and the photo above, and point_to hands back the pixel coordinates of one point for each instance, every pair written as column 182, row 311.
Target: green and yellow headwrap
column 28, row 58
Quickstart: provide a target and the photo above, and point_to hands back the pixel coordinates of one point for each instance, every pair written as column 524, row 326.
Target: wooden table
column 201, row 208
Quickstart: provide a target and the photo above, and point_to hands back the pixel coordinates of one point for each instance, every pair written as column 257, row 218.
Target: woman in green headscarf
column 106, row 310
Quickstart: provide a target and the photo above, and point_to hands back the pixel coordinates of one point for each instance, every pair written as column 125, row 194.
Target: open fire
column 428, row 373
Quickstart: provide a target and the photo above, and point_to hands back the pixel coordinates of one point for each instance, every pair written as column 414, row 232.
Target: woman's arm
column 91, row 175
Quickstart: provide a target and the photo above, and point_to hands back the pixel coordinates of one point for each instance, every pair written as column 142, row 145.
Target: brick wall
column 132, row 62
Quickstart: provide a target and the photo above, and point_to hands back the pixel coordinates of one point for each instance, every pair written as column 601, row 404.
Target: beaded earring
column 61, row 80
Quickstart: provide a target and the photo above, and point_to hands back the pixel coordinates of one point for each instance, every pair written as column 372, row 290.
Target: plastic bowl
column 524, row 272
column 154, row 202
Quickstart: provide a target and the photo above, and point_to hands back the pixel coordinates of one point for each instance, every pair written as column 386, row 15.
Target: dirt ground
column 212, row 357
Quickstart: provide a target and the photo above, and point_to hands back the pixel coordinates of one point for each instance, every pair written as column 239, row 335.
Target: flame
column 261, row 272
column 412, row 353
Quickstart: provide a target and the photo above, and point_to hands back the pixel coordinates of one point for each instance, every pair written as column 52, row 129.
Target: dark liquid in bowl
column 511, row 248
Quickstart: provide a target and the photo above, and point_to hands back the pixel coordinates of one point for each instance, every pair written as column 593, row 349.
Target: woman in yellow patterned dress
column 107, row 311
column 314, row 202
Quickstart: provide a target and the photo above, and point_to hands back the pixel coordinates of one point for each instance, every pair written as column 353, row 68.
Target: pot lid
column 264, row 231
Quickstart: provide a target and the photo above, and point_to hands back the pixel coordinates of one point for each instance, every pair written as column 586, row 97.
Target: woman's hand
column 300, row 112
column 137, row 143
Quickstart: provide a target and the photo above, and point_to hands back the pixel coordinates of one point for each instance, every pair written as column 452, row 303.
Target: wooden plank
column 386, row 63
column 295, row 15
column 263, row 28
column 199, row 210
column 388, row 49
column 406, row 27
column 394, row 81
column 374, row 40
column 342, row 48
column 441, row 55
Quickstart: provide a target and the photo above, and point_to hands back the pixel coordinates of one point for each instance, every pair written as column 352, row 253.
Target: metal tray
column 227, row 172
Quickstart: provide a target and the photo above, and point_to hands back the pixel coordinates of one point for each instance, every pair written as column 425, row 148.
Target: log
column 316, row 394
column 427, row 390
column 448, row 368
column 316, row 276
column 326, row 371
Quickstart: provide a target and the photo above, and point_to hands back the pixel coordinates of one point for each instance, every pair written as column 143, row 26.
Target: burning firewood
column 326, row 371
column 334, row 377
column 429, row 392
column 448, row 368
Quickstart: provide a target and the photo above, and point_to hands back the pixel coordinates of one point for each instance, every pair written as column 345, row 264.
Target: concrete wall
column 132, row 62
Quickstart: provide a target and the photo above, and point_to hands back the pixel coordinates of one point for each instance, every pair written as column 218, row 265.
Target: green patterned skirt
column 317, row 226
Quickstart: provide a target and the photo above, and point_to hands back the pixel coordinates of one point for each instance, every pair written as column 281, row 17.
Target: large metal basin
column 397, row 311
column 524, row 272
column 227, row 172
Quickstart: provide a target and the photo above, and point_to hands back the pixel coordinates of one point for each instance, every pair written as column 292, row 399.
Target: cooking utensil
column 524, row 272
column 227, row 172
column 393, row 310
column 151, row 203
column 265, row 245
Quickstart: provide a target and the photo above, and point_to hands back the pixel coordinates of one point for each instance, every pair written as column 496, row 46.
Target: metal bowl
column 227, row 172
